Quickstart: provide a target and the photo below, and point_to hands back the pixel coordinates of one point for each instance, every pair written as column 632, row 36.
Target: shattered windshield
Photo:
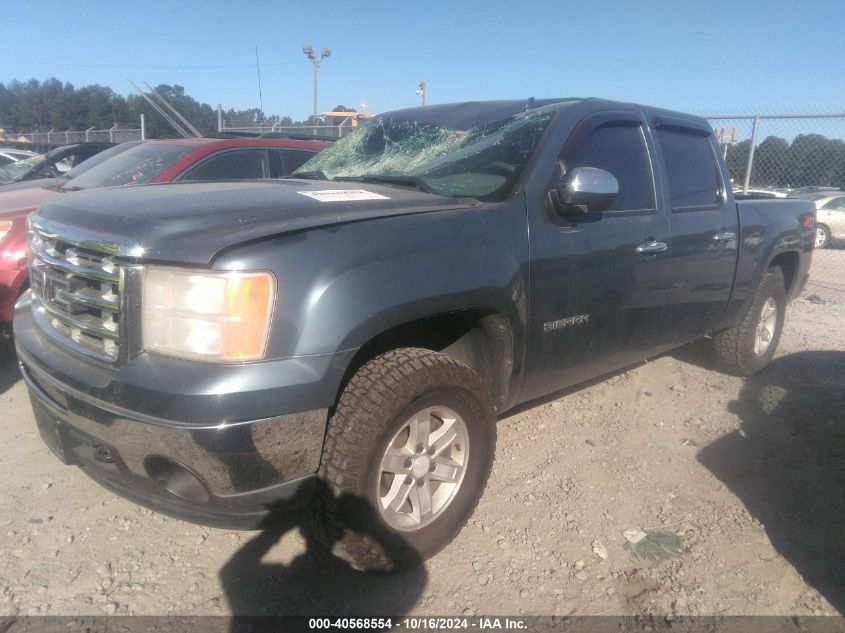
column 135, row 166
column 15, row 170
column 483, row 162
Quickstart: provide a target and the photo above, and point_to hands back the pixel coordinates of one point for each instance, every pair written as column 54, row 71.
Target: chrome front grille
column 77, row 294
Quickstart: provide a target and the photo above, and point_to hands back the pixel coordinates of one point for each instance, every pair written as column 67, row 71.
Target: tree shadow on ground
column 787, row 463
column 315, row 583
column 9, row 372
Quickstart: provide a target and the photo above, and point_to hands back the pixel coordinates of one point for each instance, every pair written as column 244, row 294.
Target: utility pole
column 421, row 92
column 258, row 70
column 310, row 54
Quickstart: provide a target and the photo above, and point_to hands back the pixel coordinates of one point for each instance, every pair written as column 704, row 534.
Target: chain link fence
column 769, row 155
column 53, row 138
column 329, row 131
column 786, row 155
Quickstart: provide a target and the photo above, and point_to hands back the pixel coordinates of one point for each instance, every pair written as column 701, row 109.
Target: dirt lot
column 827, row 278
column 749, row 473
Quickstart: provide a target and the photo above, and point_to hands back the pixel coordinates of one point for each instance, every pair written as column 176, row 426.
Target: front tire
column 747, row 348
column 408, row 453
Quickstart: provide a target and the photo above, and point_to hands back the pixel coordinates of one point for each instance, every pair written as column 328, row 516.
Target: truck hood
column 192, row 222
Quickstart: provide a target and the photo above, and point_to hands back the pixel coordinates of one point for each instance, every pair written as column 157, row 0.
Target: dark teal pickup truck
column 222, row 350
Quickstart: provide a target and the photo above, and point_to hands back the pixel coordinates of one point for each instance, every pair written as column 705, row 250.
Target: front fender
column 341, row 286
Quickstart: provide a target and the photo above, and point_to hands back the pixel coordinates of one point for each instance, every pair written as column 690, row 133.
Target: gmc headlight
column 213, row 316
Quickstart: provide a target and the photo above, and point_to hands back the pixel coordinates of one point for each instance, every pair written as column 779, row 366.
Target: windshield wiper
column 69, row 189
column 309, row 175
column 407, row 181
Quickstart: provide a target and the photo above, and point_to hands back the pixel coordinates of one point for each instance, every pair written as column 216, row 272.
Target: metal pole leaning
column 750, row 164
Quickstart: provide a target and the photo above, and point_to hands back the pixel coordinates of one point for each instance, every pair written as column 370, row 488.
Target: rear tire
column 747, row 348
column 410, row 422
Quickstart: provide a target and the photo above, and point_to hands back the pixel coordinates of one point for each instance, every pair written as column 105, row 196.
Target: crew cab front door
column 597, row 277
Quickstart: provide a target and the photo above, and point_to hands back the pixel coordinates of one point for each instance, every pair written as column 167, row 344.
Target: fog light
column 176, row 479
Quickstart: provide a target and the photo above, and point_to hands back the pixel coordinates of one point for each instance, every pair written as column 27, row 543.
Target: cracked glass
column 483, row 162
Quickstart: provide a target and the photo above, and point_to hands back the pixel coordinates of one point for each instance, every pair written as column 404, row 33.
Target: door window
column 293, row 159
column 837, row 204
column 691, row 169
column 619, row 148
column 238, row 165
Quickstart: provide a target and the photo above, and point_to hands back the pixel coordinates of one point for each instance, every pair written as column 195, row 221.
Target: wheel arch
column 788, row 262
column 480, row 338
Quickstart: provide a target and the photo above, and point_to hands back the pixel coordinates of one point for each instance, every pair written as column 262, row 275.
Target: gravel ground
column 748, row 473
column 827, row 274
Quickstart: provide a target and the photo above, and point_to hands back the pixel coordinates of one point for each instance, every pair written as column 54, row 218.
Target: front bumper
column 207, row 465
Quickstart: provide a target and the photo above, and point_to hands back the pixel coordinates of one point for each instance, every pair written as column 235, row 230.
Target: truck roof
column 468, row 114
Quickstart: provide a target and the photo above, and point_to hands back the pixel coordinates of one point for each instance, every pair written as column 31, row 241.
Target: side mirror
column 584, row 189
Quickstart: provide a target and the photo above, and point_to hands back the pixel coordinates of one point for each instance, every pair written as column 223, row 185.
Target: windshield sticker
column 341, row 195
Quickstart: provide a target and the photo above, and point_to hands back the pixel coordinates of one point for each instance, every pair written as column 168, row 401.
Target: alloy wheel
column 766, row 327
column 423, row 468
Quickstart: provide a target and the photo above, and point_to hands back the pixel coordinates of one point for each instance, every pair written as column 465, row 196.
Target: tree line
column 41, row 106
column 811, row 159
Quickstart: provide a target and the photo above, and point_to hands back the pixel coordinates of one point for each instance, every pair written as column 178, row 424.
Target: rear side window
column 691, row 169
column 619, row 149
column 836, row 203
column 236, row 165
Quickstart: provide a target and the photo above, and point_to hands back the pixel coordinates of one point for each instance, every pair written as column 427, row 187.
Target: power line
column 258, row 70
column 122, row 67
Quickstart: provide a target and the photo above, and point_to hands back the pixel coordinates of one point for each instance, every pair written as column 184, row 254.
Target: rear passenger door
column 704, row 227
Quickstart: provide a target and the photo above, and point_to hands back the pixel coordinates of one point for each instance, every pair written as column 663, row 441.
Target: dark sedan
column 53, row 164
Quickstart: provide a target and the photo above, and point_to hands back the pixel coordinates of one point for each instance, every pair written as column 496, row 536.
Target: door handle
column 652, row 247
column 724, row 236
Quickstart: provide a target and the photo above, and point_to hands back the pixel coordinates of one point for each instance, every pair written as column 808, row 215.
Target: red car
column 148, row 162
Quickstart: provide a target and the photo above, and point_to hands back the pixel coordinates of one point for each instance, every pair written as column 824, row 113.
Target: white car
column 830, row 215
column 739, row 194
column 12, row 155
column 830, row 219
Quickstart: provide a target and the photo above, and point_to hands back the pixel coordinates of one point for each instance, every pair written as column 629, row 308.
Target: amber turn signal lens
column 248, row 302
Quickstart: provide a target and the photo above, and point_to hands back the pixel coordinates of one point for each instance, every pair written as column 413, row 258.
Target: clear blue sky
column 708, row 56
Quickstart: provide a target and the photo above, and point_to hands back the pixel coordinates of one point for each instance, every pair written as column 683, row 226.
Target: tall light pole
column 310, row 54
column 421, row 92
